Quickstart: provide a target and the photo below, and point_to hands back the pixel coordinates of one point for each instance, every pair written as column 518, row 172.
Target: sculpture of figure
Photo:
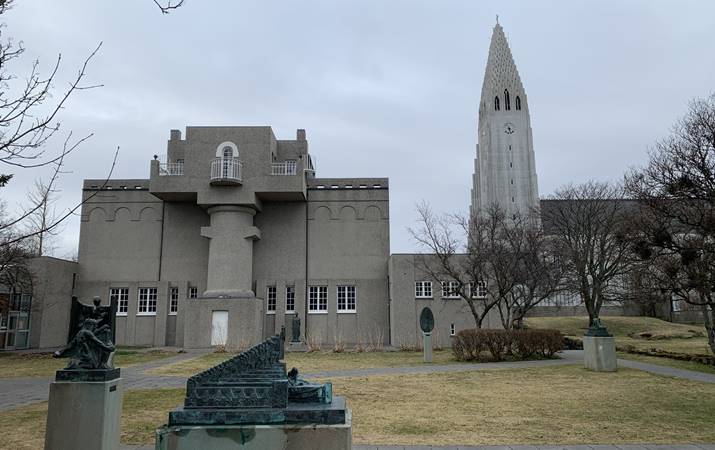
column 302, row 391
column 91, row 346
column 295, row 329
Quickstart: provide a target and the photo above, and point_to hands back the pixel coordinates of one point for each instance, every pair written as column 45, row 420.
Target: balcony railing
column 284, row 168
column 226, row 171
column 171, row 169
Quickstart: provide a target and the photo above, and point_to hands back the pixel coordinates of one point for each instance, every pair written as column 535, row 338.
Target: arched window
column 518, row 103
column 227, row 152
column 496, row 103
column 507, row 104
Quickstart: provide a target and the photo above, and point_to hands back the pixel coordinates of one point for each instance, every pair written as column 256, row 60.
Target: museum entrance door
column 219, row 328
column 15, row 322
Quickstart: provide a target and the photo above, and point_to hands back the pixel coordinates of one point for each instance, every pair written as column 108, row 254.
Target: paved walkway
column 511, row 447
column 16, row 392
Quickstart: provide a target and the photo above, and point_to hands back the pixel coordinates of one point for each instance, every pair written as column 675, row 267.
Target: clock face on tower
column 509, row 128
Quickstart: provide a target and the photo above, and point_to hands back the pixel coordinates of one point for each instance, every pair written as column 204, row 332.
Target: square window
column 173, row 300
column 318, row 299
column 290, row 299
column 480, row 291
column 271, row 300
column 346, row 299
column 147, row 301
column 423, row 289
column 121, row 295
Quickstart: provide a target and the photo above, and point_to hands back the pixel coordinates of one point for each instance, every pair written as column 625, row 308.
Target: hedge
column 472, row 344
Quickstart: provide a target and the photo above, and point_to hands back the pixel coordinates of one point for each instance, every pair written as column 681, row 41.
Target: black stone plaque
column 426, row 320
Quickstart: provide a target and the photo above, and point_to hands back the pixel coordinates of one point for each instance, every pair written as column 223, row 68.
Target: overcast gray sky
column 383, row 88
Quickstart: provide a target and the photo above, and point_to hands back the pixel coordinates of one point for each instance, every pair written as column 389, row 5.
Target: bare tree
column 42, row 202
column 489, row 261
column 677, row 191
column 166, row 7
column 588, row 225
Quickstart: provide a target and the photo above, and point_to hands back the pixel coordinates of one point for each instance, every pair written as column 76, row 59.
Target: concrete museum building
column 233, row 235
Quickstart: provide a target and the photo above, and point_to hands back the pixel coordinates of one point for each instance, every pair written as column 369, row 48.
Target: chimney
column 175, row 135
column 300, row 134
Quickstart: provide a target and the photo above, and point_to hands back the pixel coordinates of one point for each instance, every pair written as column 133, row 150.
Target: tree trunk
column 709, row 321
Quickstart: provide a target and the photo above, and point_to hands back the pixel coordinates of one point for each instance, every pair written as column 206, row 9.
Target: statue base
column 427, row 347
column 87, row 374
column 599, row 353
column 84, row 415
column 256, row 437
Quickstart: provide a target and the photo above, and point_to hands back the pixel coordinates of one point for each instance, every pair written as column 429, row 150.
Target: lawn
column 643, row 333
column 314, row 362
column 564, row 405
column 14, row 365
column 678, row 364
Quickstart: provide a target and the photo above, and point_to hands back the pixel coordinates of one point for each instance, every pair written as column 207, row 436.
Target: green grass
column 16, row 365
column 672, row 337
column 314, row 362
column 554, row 405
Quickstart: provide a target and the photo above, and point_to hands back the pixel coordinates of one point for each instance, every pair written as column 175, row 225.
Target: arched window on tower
column 518, row 103
column 507, row 103
column 496, row 103
column 227, row 161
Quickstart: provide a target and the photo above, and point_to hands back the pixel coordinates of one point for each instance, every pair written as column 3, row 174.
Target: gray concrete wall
column 405, row 308
column 52, row 289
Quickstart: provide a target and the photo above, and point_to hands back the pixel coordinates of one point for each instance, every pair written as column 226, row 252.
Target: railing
column 171, row 169
column 226, row 169
column 284, row 168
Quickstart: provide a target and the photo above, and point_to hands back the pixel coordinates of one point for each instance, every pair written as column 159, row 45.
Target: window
column 510, row 164
column 496, row 103
column 271, row 300
column 193, row 292
column 507, row 103
column 675, row 301
column 481, row 291
column 290, row 299
column 147, row 301
column 121, row 295
column 518, row 103
column 346, row 299
column 348, row 186
column 377, row 186
column 334, row 186
column 450, row 289
column 173, row 300
column 363, row 186
column 320, row 186
column 318, row 299
column 451, row 329
column 423, row 289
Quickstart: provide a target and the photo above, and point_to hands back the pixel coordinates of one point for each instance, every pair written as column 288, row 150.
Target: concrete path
column 512, row 447
column 16, row 392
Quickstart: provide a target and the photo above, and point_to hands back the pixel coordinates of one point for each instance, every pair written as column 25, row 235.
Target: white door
column 219, row 328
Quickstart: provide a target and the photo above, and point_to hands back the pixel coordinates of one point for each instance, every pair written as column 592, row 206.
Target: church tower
column 504, row 169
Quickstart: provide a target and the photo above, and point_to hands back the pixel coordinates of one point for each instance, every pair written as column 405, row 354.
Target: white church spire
column 504, row 169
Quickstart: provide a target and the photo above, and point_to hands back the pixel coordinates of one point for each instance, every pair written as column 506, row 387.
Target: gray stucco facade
column 256, row 236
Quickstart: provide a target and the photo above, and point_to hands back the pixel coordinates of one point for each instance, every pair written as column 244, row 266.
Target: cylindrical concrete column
column 230, row 266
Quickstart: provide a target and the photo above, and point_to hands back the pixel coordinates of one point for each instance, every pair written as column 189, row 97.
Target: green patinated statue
column 90, row 348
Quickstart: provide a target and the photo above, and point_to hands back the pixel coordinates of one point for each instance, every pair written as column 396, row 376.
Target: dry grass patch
column 644, row 333
column 668, row 362
column 314, row 361
column 18, row 365
column 565, row 405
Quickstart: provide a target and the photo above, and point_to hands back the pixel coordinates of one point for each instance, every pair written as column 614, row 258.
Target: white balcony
column 226, row 171
column 284, row 168
column 171, row 169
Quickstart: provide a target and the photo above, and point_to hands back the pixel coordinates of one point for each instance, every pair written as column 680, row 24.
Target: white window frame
column 290, row 299
column 173, row 300
column 193, row 292
column 450, row 289
column 423, row 289
column 147, row 305
column 344, row 294
column 271, row 299
column 452, row 329
column 317, row 299
column 122, row 295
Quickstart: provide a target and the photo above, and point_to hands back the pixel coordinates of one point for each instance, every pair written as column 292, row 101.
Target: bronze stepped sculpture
column 253, row 388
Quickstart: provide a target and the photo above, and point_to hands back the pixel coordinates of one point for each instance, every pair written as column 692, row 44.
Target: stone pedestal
column 599, row 353
column 256, row 437
column 427, row 346
column 84, row 415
